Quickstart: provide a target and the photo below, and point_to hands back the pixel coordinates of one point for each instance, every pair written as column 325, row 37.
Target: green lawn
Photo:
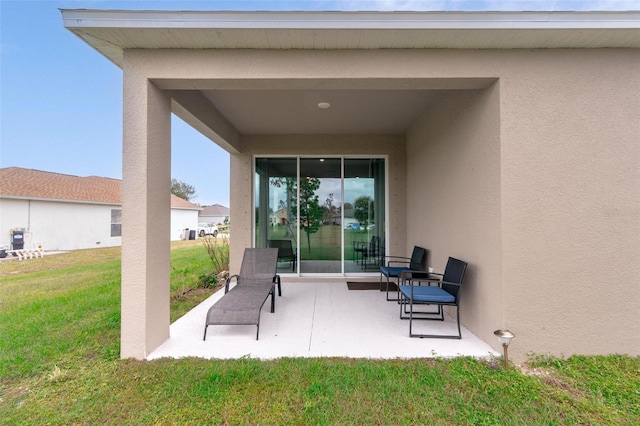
column 59, row 343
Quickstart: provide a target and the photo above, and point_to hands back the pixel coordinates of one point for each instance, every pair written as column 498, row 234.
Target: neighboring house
column 66, row 212
column 507, row 139
column 279, row 217
column 215, row 214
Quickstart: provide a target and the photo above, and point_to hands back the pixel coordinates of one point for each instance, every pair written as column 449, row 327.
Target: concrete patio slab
column 319, row 319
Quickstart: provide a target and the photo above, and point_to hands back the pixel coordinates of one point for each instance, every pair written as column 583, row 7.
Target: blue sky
column 61, row 101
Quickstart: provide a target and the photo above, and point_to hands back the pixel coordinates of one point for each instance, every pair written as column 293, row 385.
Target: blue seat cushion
column 427, row 294
column 392, row 271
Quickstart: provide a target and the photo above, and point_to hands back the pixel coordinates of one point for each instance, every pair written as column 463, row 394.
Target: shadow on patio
column 318, row 319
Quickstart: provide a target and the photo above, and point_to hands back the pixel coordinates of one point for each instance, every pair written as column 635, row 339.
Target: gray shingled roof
column 215, row 210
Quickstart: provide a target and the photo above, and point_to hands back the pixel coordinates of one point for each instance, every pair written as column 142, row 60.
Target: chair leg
column 397, row 299
column 410, row 317
column 205, row 333
column 279, row 282
column 439, row 336
column 273, row 298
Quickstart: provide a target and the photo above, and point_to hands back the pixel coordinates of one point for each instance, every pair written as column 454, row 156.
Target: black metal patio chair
column 445, row 292
column 286, row 253
column 373, row 253
column 396, row 265
column 359, row 247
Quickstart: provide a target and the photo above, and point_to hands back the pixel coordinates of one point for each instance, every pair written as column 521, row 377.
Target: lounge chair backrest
column 285, row 247
column 258, row 265
column 453, row 273
column 418, row 259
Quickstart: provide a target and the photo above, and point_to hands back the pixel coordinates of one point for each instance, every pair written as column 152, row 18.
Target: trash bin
column 192, row 234
column 17, row 240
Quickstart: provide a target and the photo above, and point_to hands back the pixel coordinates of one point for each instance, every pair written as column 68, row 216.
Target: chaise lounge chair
column 242, row 304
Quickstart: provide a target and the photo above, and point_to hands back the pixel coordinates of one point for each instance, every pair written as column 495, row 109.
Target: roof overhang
column 225, row 109
column 112, row 31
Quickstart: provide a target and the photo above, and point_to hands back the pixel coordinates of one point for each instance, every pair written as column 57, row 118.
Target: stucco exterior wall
column 453, row 202
column 391, row 146
column 13, row 214
column 569, row 197
column 550, row 213
column 59, row 225
column 146, row 204
column 570, row 151
column 62, row 225
column 181, row 219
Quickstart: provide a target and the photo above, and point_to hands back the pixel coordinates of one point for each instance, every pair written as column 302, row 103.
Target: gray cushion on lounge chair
column 241, row 304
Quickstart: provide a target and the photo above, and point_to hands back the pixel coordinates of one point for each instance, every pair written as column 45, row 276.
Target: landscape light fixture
column 324, row 105
column 504, row 337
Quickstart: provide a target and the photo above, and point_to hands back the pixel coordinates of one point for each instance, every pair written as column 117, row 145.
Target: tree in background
column 183, row 190
column 363, row 209
column 289, row 184
column 330, row 210
column 310, row 210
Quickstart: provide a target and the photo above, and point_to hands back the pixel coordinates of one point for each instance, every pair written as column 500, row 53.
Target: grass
column 325, row 243
column 59, row 343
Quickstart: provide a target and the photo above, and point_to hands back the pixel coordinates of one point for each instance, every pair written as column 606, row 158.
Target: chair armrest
column 226, row 285
column 397, row 260
column 420, row 276
column 409, row 274
column 440, row 282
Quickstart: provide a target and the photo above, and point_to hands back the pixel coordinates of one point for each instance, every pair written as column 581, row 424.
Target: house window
column 116, row 222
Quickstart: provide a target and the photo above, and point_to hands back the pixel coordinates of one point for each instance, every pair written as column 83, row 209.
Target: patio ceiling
column 268, row 107
column 297, row 111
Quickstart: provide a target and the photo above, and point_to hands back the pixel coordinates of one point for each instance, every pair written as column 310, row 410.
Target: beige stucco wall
column 390, row 146
column 570, row 150
column 146, row 206
column 552, row 207
column 554, row 247
column 453, row 202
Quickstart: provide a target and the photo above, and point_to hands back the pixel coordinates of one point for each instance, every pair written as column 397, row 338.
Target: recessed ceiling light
column 324, row 105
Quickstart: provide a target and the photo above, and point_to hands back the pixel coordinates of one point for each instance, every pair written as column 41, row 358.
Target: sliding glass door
column 318, row 210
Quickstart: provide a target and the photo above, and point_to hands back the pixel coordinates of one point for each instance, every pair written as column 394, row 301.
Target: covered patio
column 319, row 318
column 507, row 140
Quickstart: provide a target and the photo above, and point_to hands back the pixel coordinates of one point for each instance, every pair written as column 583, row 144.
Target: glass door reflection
column 275, row 202
column 364, row 214
column 319, row 213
